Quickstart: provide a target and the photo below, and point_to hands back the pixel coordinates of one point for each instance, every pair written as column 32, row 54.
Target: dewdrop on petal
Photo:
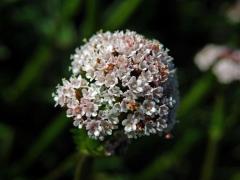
column 121, row 82
column 222, row 60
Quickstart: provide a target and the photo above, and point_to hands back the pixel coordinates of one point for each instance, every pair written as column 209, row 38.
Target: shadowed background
column 36, row 40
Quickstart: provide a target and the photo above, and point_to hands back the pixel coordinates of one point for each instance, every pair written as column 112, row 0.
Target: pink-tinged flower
column 222, row 60
column 130, row 124
column 88, row 108
column 206, row 57
column 123, row 83
column 227, row 71
column 149, row 107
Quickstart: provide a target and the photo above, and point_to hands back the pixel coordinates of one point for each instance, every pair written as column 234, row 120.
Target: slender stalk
column 215, row 134
column 208, row 166
column 83, row 167
column 79, row 166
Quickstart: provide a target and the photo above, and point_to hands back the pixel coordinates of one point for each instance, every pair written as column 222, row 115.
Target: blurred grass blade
column 66, row 35
column 31, row 71
column 48, row 135
column 215, row 134
column 195, row 95
column 6, row 141
column 88, row 26
column 167, row 160
column 119, row 13
column 69, row 7
column 216, row 128
column 83, row 167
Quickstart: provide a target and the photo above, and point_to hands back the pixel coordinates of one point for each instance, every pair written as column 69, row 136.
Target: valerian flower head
column 222, row 60
column 121, row 83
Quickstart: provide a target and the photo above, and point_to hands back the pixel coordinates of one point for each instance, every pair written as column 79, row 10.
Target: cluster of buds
column 120, row 82
column 224, row 62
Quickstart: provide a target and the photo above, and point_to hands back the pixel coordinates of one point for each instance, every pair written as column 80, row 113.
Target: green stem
column 215, row 135
column 84, row 167
column 79, row 166
column 210, row 156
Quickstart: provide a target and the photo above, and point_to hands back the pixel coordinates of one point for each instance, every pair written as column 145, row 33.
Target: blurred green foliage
column 37, row 38
column 85, row 145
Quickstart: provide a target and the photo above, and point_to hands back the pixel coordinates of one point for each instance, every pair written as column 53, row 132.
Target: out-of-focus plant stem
column 78, row 170
column 88, row 26
column 83, row 167
column 116, row 17
column 215, row 134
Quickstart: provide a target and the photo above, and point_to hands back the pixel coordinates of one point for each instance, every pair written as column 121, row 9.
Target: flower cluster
column 120, row 81
column 224, row 61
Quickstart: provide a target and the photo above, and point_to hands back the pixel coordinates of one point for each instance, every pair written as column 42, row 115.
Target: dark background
column 36, row 40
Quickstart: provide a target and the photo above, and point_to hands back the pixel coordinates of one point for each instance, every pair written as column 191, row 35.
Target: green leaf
column 86, row 145
column 119, row 13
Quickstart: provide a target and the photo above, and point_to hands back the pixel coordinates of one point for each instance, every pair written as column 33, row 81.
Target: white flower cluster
column 224, row 61
column 120, row 81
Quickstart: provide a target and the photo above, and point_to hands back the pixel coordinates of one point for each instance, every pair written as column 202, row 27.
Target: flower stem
column 83, row 167
column 215, row 135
